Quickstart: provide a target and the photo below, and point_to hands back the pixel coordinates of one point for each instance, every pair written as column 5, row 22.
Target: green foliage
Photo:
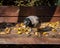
column 0, row 2
column 58, row 2
column 31, row 2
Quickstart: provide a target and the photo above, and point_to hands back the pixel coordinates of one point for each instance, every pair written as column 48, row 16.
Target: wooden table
column 15, row 39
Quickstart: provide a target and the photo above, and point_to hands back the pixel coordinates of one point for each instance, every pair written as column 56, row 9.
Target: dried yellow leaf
column 22, row 24
column 7, row 30
column 36, row 33
column 27, row 32
column 14, row 28
column 2, row 33
column 57, row 22
column 19, row 32
column 19, row 28
column 17, row 25
column 54, row 30
column 45, row 34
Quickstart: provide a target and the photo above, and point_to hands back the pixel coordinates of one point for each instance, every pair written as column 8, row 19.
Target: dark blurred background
column 30, row 2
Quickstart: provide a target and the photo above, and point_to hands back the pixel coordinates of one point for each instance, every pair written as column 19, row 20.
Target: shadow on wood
column 45, row 13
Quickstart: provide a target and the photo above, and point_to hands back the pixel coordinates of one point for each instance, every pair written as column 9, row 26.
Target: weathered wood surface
column 16, row 39
column 40, row 11
column 8, row 13
column 44, row 13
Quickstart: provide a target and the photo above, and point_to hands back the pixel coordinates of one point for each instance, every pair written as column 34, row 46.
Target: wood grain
column 15, row 39
column 17, row 14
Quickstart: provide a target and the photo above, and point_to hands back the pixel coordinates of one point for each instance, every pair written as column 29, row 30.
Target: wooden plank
column 39, row 11
column 43, row 12
column 11, row 39
column 9, row 14
column 57, row 11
